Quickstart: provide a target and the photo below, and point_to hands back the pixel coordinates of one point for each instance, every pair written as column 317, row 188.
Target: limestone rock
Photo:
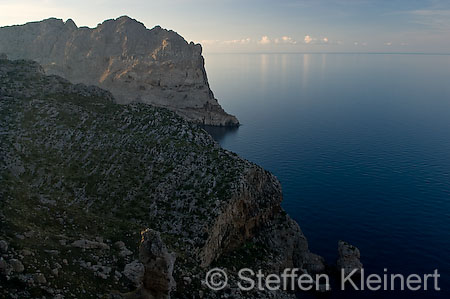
column 55, row 272
column 158, row 262
column 124, row 251
column 134, row 271
column 349, row 258
column 136, row 64
column 3, row 246
column 16, row 265
column 119, row 245
column 26, row 252
column 86, row 244
column 314, row 263
column 285, row 238
column 257, row 199
column 39, row 278
column 101, row 271
column 5, row 268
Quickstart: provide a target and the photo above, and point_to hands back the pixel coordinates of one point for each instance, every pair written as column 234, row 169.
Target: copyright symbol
column 216, row 279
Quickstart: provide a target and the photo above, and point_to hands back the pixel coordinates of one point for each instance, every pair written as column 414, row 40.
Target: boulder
column 123, row 250
column 39, row 278
column 3, row 246
column 349, row 258
column 16, row 265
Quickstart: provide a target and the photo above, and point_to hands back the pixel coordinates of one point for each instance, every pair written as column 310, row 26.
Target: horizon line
column 374, row 53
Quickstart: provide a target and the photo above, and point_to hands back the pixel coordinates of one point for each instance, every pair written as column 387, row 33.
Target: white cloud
column 285, row 40
column 308, row 39
column 243, row 41
column 388, row 43
column 318, row 40
column 265, row 40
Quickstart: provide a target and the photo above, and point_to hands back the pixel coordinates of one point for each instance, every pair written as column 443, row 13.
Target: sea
column 361, row 145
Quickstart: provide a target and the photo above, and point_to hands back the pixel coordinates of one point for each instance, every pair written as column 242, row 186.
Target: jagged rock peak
column 71, row 24
column 154, row 66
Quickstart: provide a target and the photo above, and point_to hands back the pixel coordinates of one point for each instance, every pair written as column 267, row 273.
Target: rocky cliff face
column 154, row 66
column 81, row 177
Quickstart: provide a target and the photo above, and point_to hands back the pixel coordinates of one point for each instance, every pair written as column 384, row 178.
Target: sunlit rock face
column 135, row 64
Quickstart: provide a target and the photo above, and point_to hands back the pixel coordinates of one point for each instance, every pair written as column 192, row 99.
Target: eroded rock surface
column 158, row 263
column 349, row 258
column 136, row 64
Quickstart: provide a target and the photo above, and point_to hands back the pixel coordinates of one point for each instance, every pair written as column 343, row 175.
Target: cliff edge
column 135, row 64
column 81, row 177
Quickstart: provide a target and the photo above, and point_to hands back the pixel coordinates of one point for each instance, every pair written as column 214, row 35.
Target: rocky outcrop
column 157, row 281
column 136, row 64
column 256, row 200
column 76, row 167
column 349, row 258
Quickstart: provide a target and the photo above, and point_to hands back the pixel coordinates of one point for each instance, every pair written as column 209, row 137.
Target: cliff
column 134, row 63
column 81, row 177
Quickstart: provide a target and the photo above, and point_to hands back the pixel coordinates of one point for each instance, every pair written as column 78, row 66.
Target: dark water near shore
column 361, row 145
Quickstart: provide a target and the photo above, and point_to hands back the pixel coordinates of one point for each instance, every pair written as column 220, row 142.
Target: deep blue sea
column 361, row 145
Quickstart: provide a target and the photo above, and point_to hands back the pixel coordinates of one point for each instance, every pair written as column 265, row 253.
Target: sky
column 264, row 26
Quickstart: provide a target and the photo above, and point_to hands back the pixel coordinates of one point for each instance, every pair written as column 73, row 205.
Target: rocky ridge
column 135, row 64
column 81, row 177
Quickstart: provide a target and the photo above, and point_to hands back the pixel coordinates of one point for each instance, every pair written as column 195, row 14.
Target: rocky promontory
column 127, row 201
column 135, row 64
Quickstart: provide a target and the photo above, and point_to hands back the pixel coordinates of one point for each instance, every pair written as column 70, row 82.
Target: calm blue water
column 361, row 145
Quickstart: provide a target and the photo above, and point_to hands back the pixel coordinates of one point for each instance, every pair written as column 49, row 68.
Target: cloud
column 285, row 40
column 318, row 40
column 209, row 42
column 388, row 43
column 243, row 41
column 265, row 40
column 308, row 39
